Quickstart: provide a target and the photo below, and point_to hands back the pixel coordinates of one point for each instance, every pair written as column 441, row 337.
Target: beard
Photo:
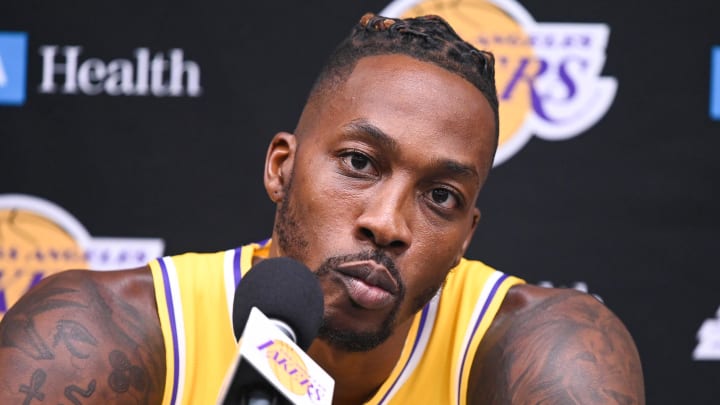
column 360, row 341
column 291, row 239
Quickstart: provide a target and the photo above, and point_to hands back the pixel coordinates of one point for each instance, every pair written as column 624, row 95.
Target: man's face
column 379, row 195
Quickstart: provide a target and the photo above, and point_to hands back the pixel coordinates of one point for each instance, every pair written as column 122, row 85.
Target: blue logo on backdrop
column 13, row 61
column 715, row 83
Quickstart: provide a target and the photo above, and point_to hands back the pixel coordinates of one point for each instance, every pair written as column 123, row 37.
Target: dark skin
column 371, row 168
column 556, row 346
column 84, row 337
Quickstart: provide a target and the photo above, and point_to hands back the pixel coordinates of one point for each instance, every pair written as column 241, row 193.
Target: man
column 375, row 192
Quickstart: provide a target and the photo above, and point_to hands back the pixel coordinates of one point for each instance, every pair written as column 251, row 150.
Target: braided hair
column 429, row 38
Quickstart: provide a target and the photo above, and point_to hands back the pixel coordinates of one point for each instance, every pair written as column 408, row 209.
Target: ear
column 279, row 164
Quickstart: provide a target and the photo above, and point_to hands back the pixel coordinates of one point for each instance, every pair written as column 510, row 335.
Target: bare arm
column 83, row 337
column 552, row 346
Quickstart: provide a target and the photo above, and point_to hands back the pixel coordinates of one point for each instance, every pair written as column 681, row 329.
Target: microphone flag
column 281, row 362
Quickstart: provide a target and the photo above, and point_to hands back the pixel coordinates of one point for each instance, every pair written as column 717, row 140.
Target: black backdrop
column 628, row 207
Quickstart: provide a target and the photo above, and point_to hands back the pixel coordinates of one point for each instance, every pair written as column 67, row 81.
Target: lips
column 369, row 284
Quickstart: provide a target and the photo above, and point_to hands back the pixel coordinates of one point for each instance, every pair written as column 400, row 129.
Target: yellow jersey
column 195, row 301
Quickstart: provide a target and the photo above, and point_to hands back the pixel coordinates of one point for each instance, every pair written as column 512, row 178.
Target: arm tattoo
column 71, row 333
column 19, row 330
column 80, row 327
column 567, row 349
column 125, row 374
column 74, row 389
column 32, row 391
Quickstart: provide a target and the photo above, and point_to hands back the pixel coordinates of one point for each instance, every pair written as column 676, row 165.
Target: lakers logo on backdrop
column 32, row 246
column 708, row 347
column 39, row 238
column 547, row 74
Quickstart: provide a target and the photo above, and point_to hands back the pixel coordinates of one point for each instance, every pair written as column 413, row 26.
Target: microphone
column 287, row 296
column 287, row 292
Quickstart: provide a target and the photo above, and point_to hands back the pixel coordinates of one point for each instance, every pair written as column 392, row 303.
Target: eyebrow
column 457, row 168
column 361, row 127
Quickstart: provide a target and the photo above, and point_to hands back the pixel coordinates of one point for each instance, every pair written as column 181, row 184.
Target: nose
column 384, row 220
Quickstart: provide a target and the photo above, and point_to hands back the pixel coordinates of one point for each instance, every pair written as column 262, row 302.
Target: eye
column 358, row 162
column 445, row 198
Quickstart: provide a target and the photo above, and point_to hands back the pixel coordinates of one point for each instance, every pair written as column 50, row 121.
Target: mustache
column 377, row 256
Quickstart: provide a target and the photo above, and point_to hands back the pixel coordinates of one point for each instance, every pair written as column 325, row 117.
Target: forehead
column 417, row 103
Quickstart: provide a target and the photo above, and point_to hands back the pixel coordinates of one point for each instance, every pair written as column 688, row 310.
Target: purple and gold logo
column 39, row 238
column 289, row 369
column 547, row 74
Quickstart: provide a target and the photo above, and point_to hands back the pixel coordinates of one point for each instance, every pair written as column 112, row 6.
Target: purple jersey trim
column 171, row 311
column 237, row 270
column 423, row 318
column 477, row 324
column 236, row 265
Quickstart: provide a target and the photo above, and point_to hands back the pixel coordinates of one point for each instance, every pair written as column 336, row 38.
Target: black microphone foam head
column 283, row 289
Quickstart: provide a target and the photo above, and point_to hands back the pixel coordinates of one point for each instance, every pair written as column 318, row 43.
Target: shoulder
column 83, row 334
column 551, row 345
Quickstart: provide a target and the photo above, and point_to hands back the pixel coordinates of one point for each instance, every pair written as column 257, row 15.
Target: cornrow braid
column 429, row 38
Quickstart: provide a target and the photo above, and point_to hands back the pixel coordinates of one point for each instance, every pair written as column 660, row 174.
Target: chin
column 353, row 341
column 354, row 335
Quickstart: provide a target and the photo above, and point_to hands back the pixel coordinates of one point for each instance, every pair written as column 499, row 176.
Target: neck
column 358, row 375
